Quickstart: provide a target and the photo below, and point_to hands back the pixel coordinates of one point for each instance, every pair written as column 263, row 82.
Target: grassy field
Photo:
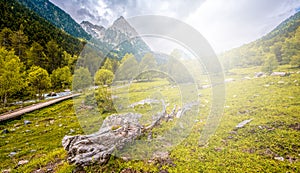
column 272, row 102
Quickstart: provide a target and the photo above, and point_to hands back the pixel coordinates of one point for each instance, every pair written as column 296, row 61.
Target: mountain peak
column 95, row 30
column 122, row 25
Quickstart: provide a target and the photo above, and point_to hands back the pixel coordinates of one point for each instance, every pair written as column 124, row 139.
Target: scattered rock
column 280, row 82
column 51, row 121
column 128, row 170
column 291, row 159
column 32, row 151
column 22, row 162
column 233, row 132
column 49, row 169
column 11, row 154
column 52, row 94
column 217, row 149
column 247, row 78
column 281, row 74
column 259, row 74
column 243, row 123
column 5, row 131
column 26, row 122
column 295, row 126
column 27, row 131
column 160, row 155
column 229, row 80
column 143, row 102
column 269, row 152
column 279, row 158
column 6, row 171
column 205, row 86
column 72, row 131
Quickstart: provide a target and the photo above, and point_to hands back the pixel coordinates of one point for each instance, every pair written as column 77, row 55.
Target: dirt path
column 19, row 112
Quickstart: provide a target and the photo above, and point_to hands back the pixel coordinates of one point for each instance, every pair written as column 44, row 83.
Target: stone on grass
column 26, row 122
column 5, row 131
column 243, row 123
column 281, row 74
column 6, row 171
column 279, row 158
column 11, row 154
column 22, row 162
column 259, row 74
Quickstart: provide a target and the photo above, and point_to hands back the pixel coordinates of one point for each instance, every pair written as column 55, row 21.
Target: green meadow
column 269, row 143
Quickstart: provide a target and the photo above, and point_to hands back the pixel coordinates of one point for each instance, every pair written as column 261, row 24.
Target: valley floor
column 269, row 143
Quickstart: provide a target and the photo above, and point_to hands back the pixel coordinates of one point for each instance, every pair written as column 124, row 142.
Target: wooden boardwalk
column 19, row 112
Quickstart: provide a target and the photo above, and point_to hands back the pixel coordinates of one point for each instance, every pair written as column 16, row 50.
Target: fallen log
column 116, row 131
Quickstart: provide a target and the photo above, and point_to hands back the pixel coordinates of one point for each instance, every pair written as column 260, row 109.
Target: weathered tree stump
column 116, row 131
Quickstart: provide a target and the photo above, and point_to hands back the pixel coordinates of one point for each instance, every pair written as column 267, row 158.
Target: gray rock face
column 95, row 30
column 120, row 34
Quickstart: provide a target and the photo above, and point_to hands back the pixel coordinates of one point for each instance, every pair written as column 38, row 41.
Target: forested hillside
column 35, row 56
column 13, row 15
column 279, row 47
column 56, row 16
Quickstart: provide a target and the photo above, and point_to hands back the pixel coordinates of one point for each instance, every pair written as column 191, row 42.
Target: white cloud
column 225, row 24
column 231, row 23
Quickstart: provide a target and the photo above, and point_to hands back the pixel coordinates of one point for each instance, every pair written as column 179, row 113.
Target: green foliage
column 270, row 64
column 38, row 80
column 61, row 78
column 19, row 43
column 37, row 29
column 104, row 100
column 103, row 77
column 295, row 60
column 81, row 79
column 128, row 68
column 111, row 64
column 54, row 54
column 11, row 77
column 36, row 56
column 5, row 38
column 147, row 63
column 273, row 131
column 283, row 42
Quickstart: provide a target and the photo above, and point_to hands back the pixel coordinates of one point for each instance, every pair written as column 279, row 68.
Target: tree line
column 280, row 47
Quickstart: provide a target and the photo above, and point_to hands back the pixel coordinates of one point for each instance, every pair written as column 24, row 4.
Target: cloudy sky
column 225, row 24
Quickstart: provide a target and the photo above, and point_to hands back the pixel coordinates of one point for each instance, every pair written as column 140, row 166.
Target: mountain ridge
column 56, row 16
column 118, row 39
column 279, row 43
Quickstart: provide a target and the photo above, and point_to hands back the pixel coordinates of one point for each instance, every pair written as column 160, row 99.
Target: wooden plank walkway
column 19, row 112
